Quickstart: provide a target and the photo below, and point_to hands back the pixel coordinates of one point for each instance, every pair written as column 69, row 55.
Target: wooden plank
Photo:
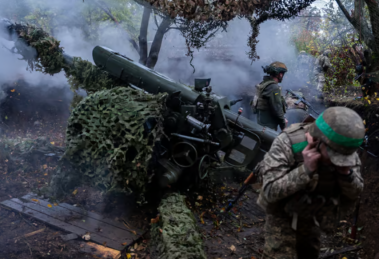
column 89, row 224
column 91, row 214
column 62, row 225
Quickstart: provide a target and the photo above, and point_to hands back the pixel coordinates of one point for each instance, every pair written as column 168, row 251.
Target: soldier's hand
column 311, row 155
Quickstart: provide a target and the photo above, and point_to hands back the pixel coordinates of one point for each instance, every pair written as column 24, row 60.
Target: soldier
column 295, row 113
column 268, row 101
column 310, row 175
column 322, row 64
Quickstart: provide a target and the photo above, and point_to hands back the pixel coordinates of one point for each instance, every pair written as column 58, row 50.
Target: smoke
column 226, row 62
column 224, row 59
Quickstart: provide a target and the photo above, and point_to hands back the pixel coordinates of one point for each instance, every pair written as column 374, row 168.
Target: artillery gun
column 138, row 130
column 199, row 131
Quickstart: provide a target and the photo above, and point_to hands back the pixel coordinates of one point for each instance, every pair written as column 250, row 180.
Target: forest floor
column 235, row 235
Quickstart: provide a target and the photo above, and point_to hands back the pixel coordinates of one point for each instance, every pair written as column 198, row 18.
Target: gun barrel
column 145, row 78
column 154, row 82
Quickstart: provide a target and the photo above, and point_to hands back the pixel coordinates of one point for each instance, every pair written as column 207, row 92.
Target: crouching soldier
column 310, row 176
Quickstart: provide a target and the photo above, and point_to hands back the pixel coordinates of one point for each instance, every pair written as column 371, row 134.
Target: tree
column 368, row 30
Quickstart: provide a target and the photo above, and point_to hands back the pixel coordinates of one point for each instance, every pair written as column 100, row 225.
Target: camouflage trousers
column 282, row 242
column 320, row 79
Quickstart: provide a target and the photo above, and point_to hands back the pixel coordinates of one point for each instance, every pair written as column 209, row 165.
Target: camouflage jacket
column 322, row 64
column 284, row 178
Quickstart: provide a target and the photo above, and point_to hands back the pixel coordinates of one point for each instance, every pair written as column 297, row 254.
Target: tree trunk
column 373, row 8
column 157, row 43
column 359, row 25
column 143, row 36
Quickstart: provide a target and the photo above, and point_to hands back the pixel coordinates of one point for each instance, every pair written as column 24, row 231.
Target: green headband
column 334, row 136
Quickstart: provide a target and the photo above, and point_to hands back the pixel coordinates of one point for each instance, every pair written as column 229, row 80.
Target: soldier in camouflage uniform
column 295, row 112
column 321, row 66
column 268, row 101
column 311, row 175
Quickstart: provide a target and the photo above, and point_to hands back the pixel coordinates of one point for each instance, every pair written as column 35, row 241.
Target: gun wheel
column 184, row 154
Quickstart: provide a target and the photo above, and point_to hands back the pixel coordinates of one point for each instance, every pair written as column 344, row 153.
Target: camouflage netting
column 49, row 59
column 83, row 74
column 106, row 138
column 50, row 55
column 175, row 235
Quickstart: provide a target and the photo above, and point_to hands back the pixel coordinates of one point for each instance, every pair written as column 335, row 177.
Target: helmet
column 275, row 68
column 327, row 52
column 342, row 130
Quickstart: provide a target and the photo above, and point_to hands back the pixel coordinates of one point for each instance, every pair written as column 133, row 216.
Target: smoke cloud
column 224, row 59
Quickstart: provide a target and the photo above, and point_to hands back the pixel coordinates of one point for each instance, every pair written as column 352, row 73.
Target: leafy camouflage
column 107, row 141
column 175, row 235
column 83, row 74
column 50, row 55
column 49, row 59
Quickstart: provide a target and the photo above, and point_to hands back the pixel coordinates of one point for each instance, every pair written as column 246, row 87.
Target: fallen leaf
column 75, row 192
column 55, row 204
column 13, row 90
column 123, row 244
column 200, row 198
column 233, row 248
column 52, row 143
column 369, row 102
column 35, row 200
column 87, row 236
column 44, row 166
column 344, row 257
column 45, row 174
column 49, row 205
column 253, row 257
column 128, row 256
column 364, row 122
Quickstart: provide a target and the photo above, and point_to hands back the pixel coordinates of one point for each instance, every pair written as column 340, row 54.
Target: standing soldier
column 268, row 101
column 310, row 176
column 322, row 64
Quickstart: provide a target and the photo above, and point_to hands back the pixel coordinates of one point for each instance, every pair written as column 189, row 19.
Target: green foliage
column 315, row 33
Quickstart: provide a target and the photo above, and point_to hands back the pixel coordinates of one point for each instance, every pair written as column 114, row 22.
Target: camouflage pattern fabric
column 107, row 140
column 320, row 79
column 322, row 64
column 285, row 181
column 175, row 235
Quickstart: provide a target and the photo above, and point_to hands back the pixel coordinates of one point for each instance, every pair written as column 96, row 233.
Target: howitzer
column 199, row 121
column 200, row 130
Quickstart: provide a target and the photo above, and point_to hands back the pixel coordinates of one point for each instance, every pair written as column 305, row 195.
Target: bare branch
column 110, row 15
